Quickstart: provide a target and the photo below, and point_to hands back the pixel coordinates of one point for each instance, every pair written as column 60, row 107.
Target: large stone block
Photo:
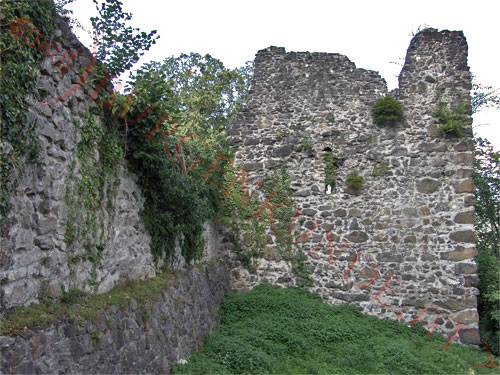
column 428, row 186
column 461, row 254
column 467, row 236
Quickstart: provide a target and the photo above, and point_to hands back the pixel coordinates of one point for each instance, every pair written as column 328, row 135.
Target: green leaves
column 451, row 121
column 289, row 331
column 175, row 119
column 354, row 179
column 487, row 226
column 387, row 110
column 206, row 93
column 18, row 142
column 119, row 46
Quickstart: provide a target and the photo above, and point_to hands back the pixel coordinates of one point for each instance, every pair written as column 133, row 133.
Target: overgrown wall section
column 402, row 245
column 75, row 219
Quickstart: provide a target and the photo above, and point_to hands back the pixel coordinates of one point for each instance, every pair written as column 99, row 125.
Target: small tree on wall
column 387, row 110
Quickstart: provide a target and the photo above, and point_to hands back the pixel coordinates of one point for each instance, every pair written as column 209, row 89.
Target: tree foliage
column 483, row 97
column 206, row 93
column 487, row 180
column 175, row 123
column 119, row 46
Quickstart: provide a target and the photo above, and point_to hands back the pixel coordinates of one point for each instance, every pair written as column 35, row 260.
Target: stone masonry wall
column 36, row 258
column 133, row 339
column 402, row 245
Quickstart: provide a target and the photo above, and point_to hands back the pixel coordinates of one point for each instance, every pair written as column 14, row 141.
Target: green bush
column 489, row 300
column 290, row 331
column 354, row 179
column 451, row 122
column 387, row 110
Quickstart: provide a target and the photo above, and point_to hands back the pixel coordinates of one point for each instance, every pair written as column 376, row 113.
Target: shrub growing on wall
column 451, row 122
column 387, row 110
column 354, row 179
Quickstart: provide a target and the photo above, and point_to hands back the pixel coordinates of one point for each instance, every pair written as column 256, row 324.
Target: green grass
column 290, row 331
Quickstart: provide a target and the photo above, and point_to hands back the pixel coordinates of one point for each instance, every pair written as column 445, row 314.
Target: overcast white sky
column 371, row 33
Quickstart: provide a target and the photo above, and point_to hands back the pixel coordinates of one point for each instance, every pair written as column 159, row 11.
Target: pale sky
column 371, row 33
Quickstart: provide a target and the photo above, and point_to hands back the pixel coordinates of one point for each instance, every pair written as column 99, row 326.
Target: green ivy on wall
column 18, row 141
column 99, row 154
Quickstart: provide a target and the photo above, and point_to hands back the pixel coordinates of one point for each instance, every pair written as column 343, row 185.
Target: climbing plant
column 98, row 156
column 174, row 124
column 329, row 172
column 18, row 141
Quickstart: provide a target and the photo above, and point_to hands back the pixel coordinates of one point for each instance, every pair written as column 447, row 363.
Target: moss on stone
column 82, row 306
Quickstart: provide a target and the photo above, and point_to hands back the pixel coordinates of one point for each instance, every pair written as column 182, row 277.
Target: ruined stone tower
column 402, row 245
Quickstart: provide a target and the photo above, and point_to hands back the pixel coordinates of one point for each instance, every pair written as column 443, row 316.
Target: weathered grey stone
column 467, row 236
column 272, row 253
column 309, row 212
column 467, row 317
column 469, row 336
column 125, row 344
column 465, row 158
column 457, row 305
column 283, row 151
column 38, row 345
column 466, row 186
column 357, row 236
column 428, row 186
column 458, row 255
column 389, row 257
column 340, row 212
column 467, row 217
column 251, row 141
column 465, row 269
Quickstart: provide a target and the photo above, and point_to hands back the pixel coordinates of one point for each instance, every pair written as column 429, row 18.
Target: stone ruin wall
column 414, row 215
column 35, row 259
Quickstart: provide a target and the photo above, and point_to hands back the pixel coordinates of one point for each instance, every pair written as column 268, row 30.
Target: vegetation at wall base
column 387, row 110
column 290, row 331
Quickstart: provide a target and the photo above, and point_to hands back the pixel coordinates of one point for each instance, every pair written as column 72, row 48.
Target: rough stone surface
column 36, row 261
column 412, row 218
column 136, row 339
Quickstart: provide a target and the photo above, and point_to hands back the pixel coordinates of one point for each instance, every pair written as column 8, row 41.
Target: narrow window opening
column 329, row 171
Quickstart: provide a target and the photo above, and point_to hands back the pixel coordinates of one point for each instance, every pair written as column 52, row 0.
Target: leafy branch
column 119, row 46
